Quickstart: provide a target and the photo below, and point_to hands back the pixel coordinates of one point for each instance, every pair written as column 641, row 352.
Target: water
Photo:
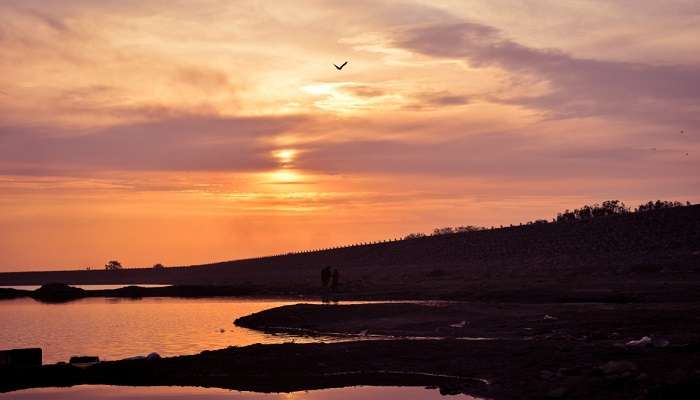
column 86, row 287
column 118, row 328
column 101, row 392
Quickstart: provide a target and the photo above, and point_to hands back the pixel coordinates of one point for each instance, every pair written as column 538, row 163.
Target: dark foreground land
column 607, row 308
column 572, row 351
column 676, row 323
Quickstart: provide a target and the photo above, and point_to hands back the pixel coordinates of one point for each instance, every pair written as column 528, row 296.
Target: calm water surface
column 181, row 393
column 88, row 287
column 118, row 328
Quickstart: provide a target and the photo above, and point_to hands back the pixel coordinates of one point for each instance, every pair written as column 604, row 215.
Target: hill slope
column 638, row 244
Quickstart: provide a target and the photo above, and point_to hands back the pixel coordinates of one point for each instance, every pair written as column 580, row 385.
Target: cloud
column 195, row 143
column 550, row 150
column 440, row 99
column 54, row 23
column 578, row 86
column 364, row 91
column 205, row 79
column 501, row 154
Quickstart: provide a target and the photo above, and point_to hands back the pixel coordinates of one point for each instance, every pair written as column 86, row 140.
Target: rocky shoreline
column 573, row 351
column 494, row 369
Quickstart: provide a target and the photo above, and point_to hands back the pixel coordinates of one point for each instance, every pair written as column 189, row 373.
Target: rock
column 450, row 390
column 21, row 357
column 549, row 317
column 643, row 342
column 57, row 292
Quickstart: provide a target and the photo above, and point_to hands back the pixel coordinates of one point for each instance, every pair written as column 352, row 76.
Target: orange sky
column 186, row 132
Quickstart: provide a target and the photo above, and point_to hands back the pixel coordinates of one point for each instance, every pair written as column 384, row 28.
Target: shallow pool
column 102, row 392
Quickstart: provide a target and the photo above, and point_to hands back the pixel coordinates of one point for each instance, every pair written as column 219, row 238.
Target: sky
column 186, row 132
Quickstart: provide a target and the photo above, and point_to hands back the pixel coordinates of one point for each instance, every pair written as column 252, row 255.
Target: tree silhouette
column 468, row 228
column 659, row 205
column 443, row 231
column 609, row 207
column 113, row 265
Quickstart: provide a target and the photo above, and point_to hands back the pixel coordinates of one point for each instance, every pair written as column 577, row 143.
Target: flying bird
column 341, row 66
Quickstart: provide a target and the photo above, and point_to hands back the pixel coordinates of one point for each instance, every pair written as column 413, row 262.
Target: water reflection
column 100, row 392
column 86, row 287
column 119, row 328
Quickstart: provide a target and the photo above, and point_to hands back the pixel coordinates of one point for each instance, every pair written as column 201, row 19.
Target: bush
column 443, row 231
column 659, row 205
column 609, row 207
column 113, row 265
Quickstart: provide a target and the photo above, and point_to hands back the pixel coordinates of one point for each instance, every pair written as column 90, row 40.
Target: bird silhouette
column 341, row 66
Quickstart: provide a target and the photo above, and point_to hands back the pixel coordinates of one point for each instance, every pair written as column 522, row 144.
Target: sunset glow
column 189, row 132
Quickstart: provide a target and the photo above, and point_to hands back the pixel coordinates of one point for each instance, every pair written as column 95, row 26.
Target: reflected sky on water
column 100, row 392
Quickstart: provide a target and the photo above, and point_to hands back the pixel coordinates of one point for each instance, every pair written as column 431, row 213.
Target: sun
column 285, row 156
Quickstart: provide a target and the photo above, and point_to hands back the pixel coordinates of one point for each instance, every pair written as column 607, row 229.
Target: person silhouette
column 325, row 276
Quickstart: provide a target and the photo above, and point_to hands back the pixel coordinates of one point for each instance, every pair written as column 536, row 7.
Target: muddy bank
column 588, row 322
column 501, row 369
column 557, row 350
column 57, row 292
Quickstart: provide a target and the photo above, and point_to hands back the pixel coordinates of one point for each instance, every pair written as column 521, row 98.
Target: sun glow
column 353, row 97
column 285, row 176
column 285, row 156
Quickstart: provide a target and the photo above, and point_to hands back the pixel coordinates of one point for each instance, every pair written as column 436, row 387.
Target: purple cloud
column 580, row 87
column 182, row 143
column 504, row 155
